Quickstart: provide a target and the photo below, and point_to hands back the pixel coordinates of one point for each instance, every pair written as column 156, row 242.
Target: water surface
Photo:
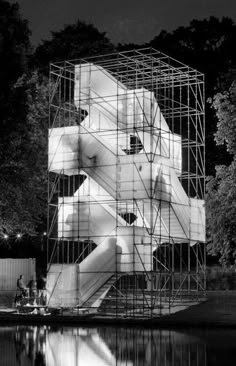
column 108, row 346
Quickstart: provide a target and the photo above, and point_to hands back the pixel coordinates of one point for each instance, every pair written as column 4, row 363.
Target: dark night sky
column 124, row 21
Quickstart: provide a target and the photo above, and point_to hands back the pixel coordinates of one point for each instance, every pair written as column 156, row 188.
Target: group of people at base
column 34, row 289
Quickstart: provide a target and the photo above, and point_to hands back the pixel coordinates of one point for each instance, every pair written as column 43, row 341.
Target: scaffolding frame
column 176, row 268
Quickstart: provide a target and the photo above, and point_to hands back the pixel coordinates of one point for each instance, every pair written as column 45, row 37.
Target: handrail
column 141, row 261
column 54, row 184
column 77, row 260
column 52, row 254
column 161, row 264
column 55, row 86
column 54, row 219
column 99, row 139
column 94, row 285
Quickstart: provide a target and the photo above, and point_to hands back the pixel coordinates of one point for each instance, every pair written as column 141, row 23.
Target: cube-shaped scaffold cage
column 126, row 218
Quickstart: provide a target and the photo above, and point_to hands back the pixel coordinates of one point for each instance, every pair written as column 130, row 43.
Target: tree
column 221, row 189
column 209, row 46
column 23, row 182
column 225, row 106
column 14, row 53
column 23, row 150
column 15, row 49
column 15, row 45
column 73, row 42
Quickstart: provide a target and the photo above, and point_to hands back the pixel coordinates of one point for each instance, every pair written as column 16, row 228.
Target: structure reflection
column 54, row 346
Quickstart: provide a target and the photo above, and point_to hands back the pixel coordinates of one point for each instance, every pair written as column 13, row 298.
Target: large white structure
column 126, row 147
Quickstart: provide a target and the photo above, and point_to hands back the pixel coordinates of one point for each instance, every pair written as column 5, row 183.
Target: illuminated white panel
column 84, row 219
column 63, row 149
column 95, row 86
column 93, row 82
column 62, row 282
column 198, row 220
column 165, row 145
column 97, row 268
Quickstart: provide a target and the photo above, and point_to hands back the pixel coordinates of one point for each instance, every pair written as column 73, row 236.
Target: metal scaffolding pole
column 126, row 184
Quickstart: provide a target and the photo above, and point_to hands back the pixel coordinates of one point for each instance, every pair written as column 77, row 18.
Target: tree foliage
column 221, row 189
column 225, row 106
column 207, row 45
column 14, row 44
column 23, row 182
column 74, row 41
column 14, row 53
column 24, row 114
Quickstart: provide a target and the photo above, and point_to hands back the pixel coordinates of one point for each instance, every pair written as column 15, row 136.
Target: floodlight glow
column 19, row 236
column 5, row 236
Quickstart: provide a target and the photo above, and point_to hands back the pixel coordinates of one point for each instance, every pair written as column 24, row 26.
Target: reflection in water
column 54, row 346
column 23, row 345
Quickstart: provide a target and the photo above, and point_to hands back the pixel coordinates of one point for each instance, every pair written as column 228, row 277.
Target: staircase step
column 101, row 290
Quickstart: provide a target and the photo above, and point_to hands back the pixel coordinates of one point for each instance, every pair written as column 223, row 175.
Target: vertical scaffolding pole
column 132, row 124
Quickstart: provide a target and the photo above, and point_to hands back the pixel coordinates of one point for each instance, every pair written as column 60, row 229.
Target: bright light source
column 18, row 235
column 44, row 233
column 5, row 236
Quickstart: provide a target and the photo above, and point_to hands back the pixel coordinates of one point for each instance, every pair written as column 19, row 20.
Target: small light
column 5, row 236
column 18, row 235
column 44, row 234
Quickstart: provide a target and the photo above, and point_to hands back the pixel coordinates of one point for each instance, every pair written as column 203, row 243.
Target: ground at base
column 219, row 309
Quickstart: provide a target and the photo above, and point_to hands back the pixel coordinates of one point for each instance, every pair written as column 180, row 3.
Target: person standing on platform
column 21, row 286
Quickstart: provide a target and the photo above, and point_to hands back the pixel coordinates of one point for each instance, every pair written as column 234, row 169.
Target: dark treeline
column 207, row 45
